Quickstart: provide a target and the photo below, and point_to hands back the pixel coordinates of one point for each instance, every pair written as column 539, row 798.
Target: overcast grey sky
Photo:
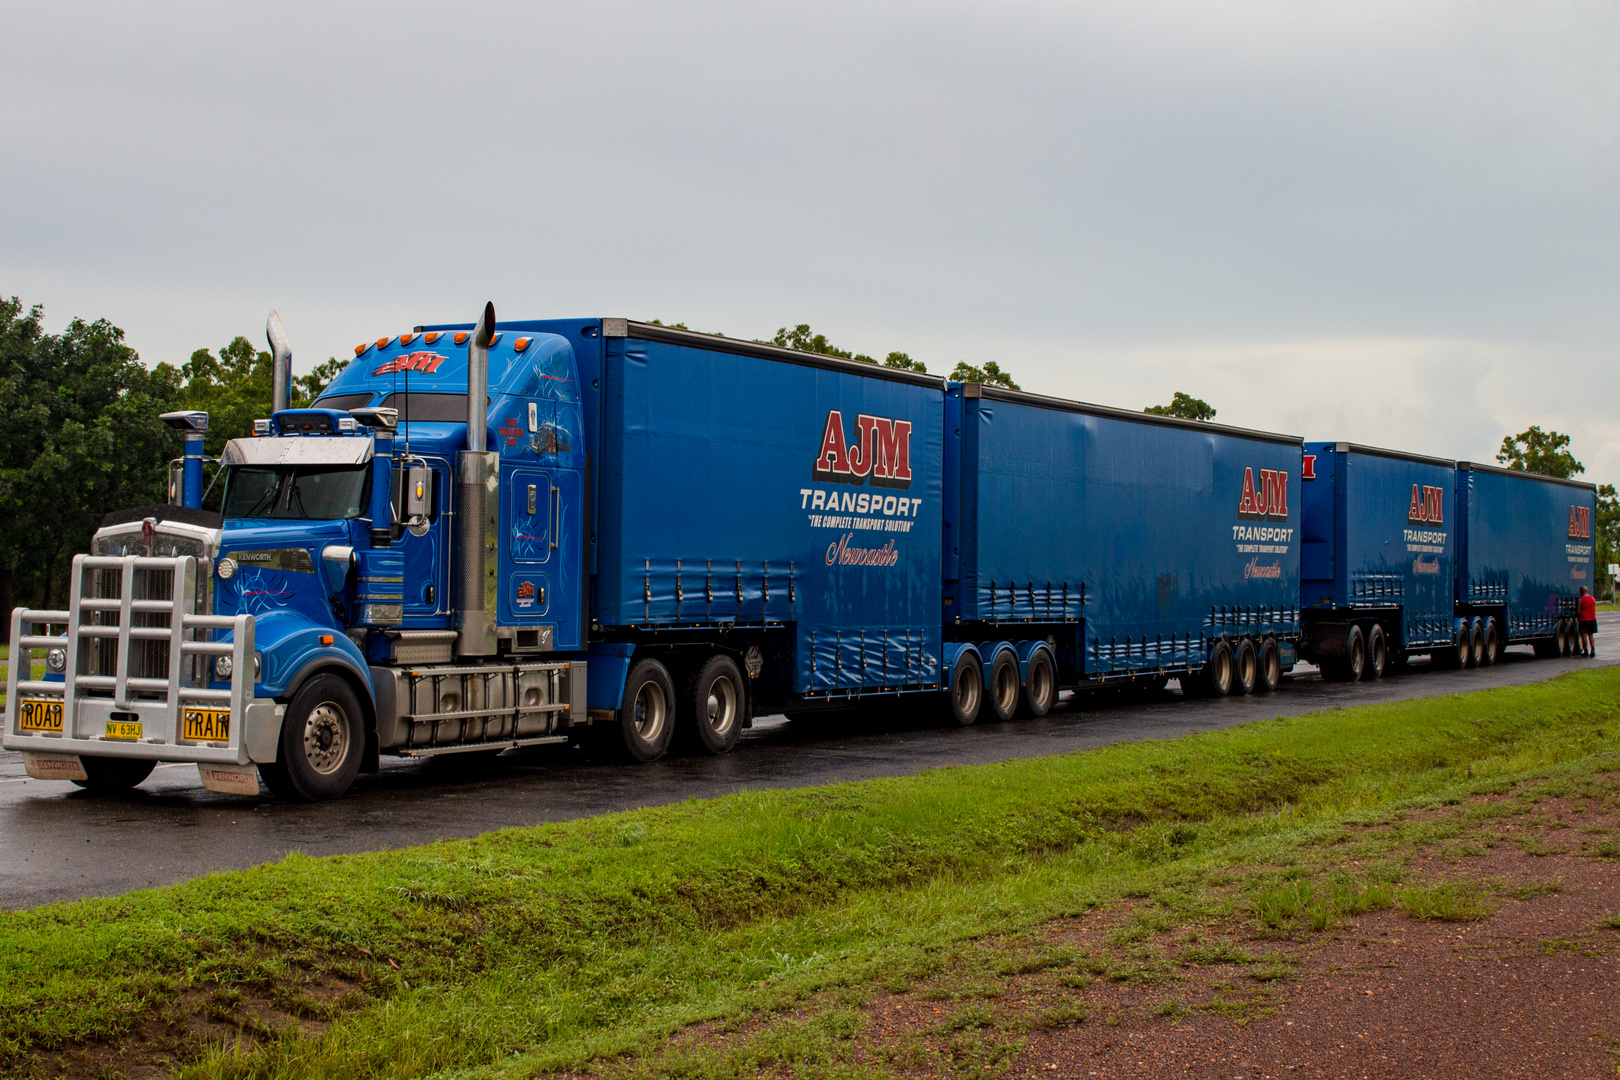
column 1392, row 223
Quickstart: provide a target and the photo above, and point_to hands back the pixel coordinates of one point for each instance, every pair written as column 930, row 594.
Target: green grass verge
column 543, row 948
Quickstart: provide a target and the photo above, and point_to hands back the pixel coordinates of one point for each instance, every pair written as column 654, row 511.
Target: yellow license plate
column 123, row 729
column 206, row 725
column 40, row 714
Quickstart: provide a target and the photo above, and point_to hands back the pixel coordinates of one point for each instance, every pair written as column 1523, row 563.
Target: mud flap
column 229, row 779
column 54, row 766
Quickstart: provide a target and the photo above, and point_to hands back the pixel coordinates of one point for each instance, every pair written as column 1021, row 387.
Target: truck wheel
column 322, row 741
column 1217, row 673
column 1245, row 668
column 967, row 690
column 1040, row 687
column 1566, row 640
column 1004, row 686
column 1270, row 673
column 1490, row 644
column 1377, row 655
column 1476, row 643
column 646, row 717
column 713, row 705
column 105, row 775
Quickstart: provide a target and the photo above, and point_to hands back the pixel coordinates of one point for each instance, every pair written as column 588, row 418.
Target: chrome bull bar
column 91, row 695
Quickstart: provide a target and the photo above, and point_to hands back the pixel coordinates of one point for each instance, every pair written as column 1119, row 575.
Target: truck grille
column 148, row 657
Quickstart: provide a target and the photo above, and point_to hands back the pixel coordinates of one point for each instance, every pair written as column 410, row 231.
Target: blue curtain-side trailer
column 1524, row 549
column 1136, row 548
column 1380, row 530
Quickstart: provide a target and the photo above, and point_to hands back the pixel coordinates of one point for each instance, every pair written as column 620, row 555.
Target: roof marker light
column 461, row 337
column 520, row 344
column 494, row 340
column 358, row 349
column 406, row 339
column 431, row 337
column 382, row 342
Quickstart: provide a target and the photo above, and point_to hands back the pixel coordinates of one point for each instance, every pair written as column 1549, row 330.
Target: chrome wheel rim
column 326, row 738
column 651, row 712
column 720, row 707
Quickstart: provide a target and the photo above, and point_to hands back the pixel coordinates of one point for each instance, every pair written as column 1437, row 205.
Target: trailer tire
column 107, row 775
column 1490, row 644
column 323, row 738
column 966, row 692
column 1476, row 643
column 1246, row 669
column 1270, row 668
column 1217, row 676
column 1566, row 644
column 713, row 705
column 1353, row 663
column 1004, row 688
column 646, row 717
column 1040, row 687
column 1377, row 655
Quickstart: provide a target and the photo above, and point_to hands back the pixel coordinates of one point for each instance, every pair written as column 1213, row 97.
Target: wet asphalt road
column 58, row 842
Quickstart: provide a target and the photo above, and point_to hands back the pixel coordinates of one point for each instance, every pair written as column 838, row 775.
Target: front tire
column 714, row 703
column 323, row 739
column 109, row 775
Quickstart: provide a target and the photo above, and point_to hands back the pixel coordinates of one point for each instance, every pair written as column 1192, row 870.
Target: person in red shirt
column 1588, row 620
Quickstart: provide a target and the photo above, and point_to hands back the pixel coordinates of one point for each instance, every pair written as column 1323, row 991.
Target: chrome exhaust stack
column 280, row 364
column 477, row 504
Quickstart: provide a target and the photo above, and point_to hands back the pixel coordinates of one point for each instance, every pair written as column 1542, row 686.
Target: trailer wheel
column 967, row 690
column 106, row 775
column 322, row 741
column 1377, row 655
column 1217, row 673
column 1566, row 642
column 1476, row 643
column 1270, row 672
column 1246, row 668
column 1040, row 687
column 1349, row 667
column 1490, row 644
column 1004, row 686
column 646, row 719
column 713, row 704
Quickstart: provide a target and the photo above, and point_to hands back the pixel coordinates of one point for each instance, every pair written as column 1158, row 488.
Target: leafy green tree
column 232, row 388
column 802, row 338
column 1607, row 532
column 1185, row 406
column 306, row 388
column 79, row 436
column 990, row 375
column 1537, row 451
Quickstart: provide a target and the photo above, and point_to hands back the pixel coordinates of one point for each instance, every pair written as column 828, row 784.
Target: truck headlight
column 223, row 666
column 227, row 568
column 56, row 661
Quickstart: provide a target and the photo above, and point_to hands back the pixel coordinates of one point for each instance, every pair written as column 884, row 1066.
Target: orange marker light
column 325, row 639
column 520, row 344
column 358, row 349
column 406, row 339
column 382, row 342
column 431, row 337
column 461, row 337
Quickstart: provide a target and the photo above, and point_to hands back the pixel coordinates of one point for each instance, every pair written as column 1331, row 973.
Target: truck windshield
column 306, row 492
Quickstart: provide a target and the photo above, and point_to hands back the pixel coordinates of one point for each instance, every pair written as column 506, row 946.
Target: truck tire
column 646, row 720
column 1490, row 644
column 1217, row 676
column 1245, row 668
column 323, row 739
column 966, row 691
column 1377, row 655
column 1270, row 667
column 1350, row 666
column 1476, row 643
column 1566, row 640
column 1040, row 686
column 106, row 775
column 1004, row 689
column 712, row 705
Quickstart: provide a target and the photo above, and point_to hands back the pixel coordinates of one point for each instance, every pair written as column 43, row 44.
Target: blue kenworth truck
column 506, row 534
